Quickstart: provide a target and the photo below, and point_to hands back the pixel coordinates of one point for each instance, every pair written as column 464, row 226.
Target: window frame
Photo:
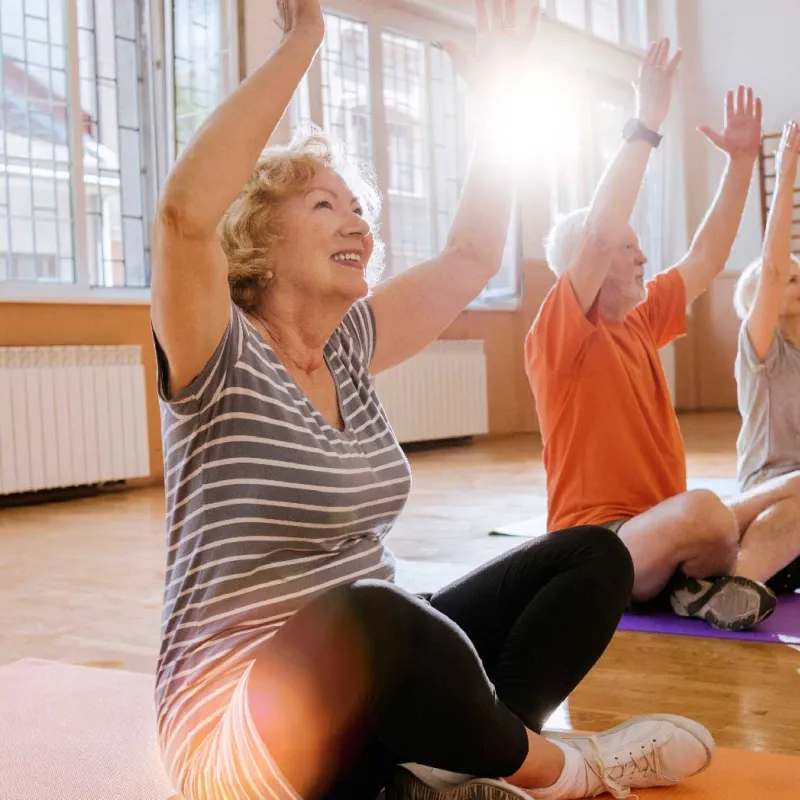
column 429, row 24
column 407, row 22
column 624, row 24
column 158, row 73
column 615, row 92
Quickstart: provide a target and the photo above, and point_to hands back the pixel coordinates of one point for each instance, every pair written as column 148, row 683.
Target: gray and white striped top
column 267, row 507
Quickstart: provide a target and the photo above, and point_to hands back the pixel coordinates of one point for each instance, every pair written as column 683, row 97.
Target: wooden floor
column 81, row 582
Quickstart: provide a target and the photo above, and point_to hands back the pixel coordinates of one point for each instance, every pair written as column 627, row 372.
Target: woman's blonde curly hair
column 252, row 225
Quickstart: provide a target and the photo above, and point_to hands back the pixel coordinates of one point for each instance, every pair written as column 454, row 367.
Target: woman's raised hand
column 500, row 51
column 300, row 16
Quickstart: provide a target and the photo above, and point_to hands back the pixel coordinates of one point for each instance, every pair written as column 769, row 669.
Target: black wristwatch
column 635, row 130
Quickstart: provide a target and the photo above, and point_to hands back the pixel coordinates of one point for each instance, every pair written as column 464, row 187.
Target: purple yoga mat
column 782, row 627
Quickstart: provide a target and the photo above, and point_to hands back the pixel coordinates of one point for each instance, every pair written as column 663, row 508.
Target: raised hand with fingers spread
column 741, row 133
column 655, row 86
column 500, row 50
column 612, row 205
column 739, row 141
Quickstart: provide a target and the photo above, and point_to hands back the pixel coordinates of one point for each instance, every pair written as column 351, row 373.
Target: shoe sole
column 695, row 609
column 406, row 785
column 689, row 725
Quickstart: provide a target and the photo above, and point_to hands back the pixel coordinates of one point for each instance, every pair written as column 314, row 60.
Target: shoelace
column 615, row 784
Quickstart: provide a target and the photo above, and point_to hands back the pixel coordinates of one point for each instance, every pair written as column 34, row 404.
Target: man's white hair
column 562, row 242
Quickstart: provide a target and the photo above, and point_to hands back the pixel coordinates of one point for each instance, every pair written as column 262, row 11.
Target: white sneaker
column 656, row 750
column 418, row 782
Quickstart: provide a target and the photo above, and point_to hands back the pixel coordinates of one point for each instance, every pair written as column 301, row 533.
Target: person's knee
column 384, row 614
column 709, row 531
column 610, row 550
column 375, row 600
column 606, row 551
column 711, row 520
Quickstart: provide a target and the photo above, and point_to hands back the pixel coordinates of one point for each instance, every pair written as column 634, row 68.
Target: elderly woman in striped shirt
column 291, row 666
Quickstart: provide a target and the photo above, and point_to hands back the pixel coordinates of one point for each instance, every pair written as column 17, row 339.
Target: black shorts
column 787, row 580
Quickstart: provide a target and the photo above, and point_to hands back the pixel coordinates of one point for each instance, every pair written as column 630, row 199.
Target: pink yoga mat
column 782, row 627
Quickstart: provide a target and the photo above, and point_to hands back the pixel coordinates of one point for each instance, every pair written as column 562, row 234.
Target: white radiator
column 438, row 394
column 71, row 416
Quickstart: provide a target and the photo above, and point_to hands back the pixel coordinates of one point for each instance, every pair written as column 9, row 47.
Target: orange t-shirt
column 612, row 446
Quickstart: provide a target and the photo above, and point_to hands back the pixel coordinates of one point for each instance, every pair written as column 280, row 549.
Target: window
column 610, row 106
column 347, row 111
column 572, row 12
column 73, row 193
column 634, row 23
column 204, row 61
column 73, row 196
column 112, row 103
column 85, row 132
column 36, row 214
column 405, row 99
column 404, row 155
column 417, row 137
column 606, row 19
column 619, row 21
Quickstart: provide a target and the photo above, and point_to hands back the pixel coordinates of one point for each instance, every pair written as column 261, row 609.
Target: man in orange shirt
column 613, row 450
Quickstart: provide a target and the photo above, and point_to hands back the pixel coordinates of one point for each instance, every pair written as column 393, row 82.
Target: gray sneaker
column 418, row 782
column 731, row 603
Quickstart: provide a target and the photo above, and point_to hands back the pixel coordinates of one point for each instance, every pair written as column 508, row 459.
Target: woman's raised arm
column 191, row 299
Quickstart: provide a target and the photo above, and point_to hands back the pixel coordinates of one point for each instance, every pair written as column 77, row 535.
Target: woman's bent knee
column 605, row 547
column 385, row 617
column 377, row 599
column 602, row 551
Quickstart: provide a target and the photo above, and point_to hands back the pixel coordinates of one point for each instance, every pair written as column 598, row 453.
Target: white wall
column 729, row 42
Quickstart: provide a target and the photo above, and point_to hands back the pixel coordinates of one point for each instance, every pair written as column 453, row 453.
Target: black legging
column 452, row 681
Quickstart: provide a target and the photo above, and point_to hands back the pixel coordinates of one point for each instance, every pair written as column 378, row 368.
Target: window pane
column 201, row 41
column 346, row 109
column 35, row 168
column 451, row 141
column 605, row 19
column 113, row 103
column 567, row 176
column 609, row 118
column 405, row 100
column 634, row 15
column 572, row 12
column 449, row 132
column 300, row 107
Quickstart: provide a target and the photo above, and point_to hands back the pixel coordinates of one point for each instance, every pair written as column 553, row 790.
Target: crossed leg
column 768, row 518
column 694, row 532
column 746, row 541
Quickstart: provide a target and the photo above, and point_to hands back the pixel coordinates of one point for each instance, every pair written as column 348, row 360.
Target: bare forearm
column 615, row 197
column 480, row 226
column 778, row 235
column 714, row 238
column 211, row 171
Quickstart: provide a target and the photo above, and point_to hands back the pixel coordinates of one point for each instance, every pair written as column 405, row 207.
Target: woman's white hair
column 562, row 242
column 747, row 286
